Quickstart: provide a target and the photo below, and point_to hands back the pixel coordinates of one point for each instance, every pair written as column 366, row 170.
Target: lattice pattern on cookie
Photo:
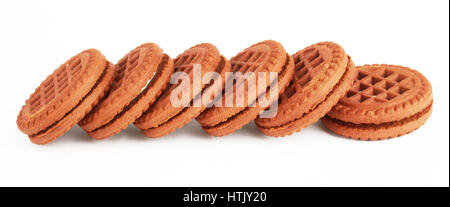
column 378, row 85
column 55, row 85
column 247, row 61
column 305, row 63
column 125, row 65
column 185, row 61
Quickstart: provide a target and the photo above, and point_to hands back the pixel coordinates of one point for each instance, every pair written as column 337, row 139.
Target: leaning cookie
column 264, row 57
column 164, row 117
column 141, row 75
column 65, row 96
column 385, row 101
column 323, row 73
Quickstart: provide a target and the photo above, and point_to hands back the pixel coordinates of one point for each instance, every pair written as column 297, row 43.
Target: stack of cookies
column 263, row 83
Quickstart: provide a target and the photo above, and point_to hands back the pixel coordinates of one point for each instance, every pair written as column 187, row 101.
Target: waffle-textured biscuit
column 65, row 96
column 323, row 73
column 141, row 75
column 267, row 56
column 385, row 101
column 163, row 117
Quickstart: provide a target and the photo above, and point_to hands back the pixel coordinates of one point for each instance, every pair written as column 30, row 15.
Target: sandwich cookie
column 264, row 57
column 323, row 74
column 141, row 75
column 385, row 101
column 65, row 96
column 164, row 117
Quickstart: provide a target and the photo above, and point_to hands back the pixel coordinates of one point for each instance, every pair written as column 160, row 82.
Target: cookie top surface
column 259, row 57
column 70, row 119
column 133, row 72
column 61, row 91
column 205, row 54
column 266, row 56
column 318, row 68
column 383, row 93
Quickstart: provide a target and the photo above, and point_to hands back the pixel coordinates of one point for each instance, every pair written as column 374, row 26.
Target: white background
column 37, row 36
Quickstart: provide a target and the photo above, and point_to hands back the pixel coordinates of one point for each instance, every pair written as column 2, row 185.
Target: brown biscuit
column 385, row 101
column 141, row 75
column 267, row 56
column 65, row 96
column 162, row 117
column 238, row 120
column 323, row 73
